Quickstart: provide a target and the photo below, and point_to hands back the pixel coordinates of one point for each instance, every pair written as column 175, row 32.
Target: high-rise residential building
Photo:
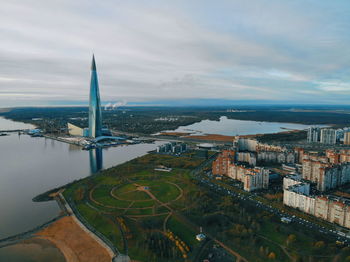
column 347, row 138
column 313, row 135
column 326, row 175
column 252, row 178
column 331, row 208
column 220, row 165
column 95, row 113
column 328, row 136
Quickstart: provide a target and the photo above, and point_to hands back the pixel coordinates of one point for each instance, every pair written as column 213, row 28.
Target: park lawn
column 124, row 188
column 303, row 242
column 161, row 210
column 104, row 208
column 143, row 173
column 148, row 203
column 180, row 204
column 109, row 181
column 268, row 230
column 138, row 249
column 183, row 231
column 165, row 192
column 148, row 211
column 133, row 195
column 101, row 195
column 102, row 224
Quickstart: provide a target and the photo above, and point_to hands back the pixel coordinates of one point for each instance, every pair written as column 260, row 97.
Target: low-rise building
column 172, row 148
column 74, row 130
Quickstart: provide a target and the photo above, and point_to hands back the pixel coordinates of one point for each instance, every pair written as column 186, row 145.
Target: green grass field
column 113, row 200
column 128, row 194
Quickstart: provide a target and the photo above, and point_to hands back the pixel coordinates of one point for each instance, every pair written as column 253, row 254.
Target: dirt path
column 281, row 246
column 232, row 252
column 166, row 221
column 126, row 210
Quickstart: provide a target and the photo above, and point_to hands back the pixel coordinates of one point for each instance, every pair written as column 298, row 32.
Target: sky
column 259, row 50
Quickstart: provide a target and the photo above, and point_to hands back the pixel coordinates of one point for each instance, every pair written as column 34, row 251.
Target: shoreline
column 74, row 242
column 69, row 235
column 227, row 138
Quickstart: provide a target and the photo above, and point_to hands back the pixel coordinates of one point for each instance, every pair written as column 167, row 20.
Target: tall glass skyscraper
column 95, row 114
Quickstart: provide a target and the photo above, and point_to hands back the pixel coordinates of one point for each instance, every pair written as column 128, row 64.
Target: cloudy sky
column 266, row 50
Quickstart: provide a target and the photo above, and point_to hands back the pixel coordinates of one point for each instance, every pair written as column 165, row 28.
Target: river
column 232, row 127
column 30, row 166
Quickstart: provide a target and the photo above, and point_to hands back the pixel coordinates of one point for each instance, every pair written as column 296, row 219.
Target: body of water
column 30, row 166
column 233, row 127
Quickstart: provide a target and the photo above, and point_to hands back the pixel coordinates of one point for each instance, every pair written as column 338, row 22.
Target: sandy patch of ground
column 76, row 244
column 174, row 134
column 213, row 137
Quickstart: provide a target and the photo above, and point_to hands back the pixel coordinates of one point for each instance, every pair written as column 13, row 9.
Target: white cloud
column 151, row 50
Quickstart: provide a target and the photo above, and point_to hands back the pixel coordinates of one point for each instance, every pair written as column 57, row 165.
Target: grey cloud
column 159, row 50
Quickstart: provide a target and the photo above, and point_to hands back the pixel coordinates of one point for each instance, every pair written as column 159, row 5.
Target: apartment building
column 221, row 163
column 252, row 178
column 326, row 175
column 313, row 134
column 328, row 136
column 331, row 208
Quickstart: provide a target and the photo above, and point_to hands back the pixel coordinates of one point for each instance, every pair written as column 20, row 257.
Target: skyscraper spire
column 95, row 113
column 93, row 64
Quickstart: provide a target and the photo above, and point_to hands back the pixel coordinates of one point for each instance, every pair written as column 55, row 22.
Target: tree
column 261, row 250
column 291, row 239
column 320, row 244
column 272, row 256
column 226, row 202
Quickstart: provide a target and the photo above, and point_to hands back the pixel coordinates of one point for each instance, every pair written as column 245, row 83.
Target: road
column 207, row 180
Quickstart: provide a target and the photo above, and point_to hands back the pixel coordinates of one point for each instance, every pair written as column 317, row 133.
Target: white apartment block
column 246, row 157
column 276, row 157
column 330, row 208
column 291, row 180
column 313, row 134
column 328, row 136
column 326, row 175
column 252, row 178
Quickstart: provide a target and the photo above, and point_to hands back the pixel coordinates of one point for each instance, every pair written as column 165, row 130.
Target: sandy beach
column 75, row 243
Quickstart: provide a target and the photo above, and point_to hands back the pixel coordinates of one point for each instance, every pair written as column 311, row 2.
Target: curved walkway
column 140, row 188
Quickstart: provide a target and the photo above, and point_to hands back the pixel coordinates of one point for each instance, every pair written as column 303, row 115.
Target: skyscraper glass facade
column 95, row 114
